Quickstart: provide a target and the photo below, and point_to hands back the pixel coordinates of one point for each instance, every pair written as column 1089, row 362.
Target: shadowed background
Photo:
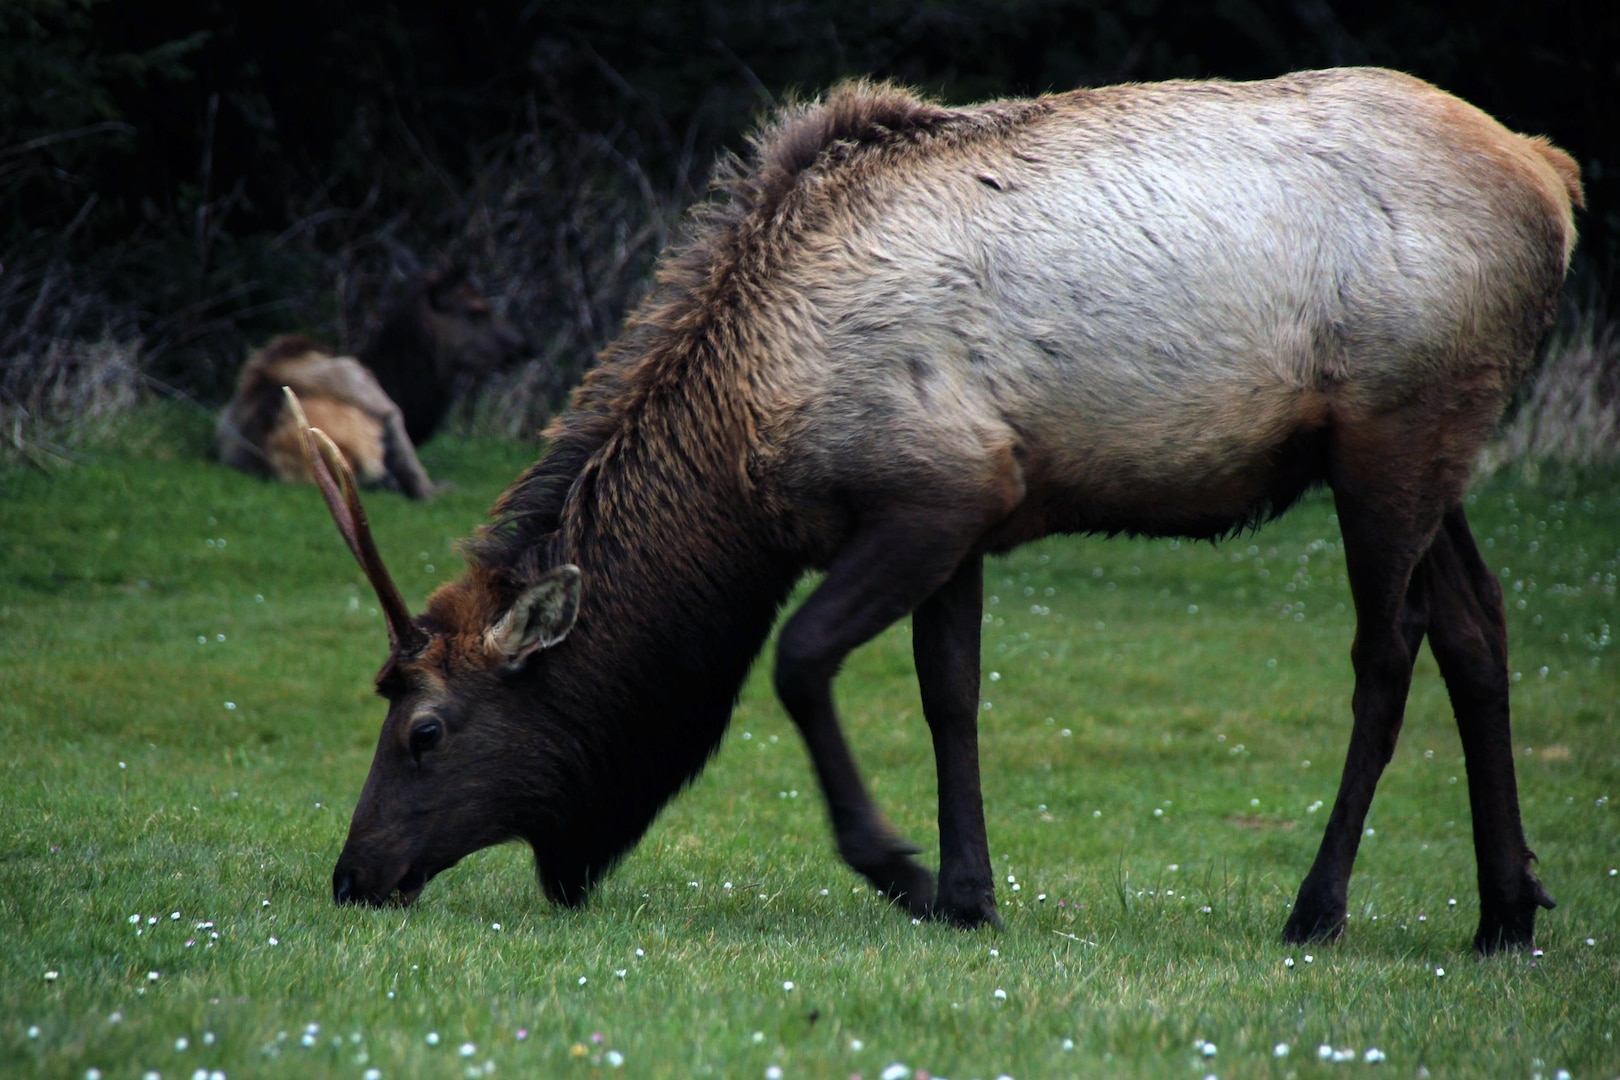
column 180, row 182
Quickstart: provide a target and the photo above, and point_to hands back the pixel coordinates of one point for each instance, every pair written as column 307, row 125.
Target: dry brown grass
column 1570, row 412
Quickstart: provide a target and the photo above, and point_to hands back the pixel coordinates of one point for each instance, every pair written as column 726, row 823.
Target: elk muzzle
column 355, row 883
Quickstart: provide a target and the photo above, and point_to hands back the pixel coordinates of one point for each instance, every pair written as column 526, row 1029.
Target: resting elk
column 379, row 405
column 905, row 337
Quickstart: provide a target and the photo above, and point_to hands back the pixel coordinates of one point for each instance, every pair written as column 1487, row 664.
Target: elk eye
column 425, row 736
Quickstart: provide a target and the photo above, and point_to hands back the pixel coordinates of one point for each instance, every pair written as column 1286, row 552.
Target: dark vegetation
column 180, row 182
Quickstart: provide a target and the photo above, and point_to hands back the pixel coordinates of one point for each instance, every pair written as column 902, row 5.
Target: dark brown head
column 466, row 758
column 471, row 338
column 440, row 337
column 470, row 754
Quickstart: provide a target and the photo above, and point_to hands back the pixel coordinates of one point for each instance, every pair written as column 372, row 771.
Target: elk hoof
column 967, row 905
column 886, row 862
column 1511, row 925
column 1314, row 921
column 905, row 883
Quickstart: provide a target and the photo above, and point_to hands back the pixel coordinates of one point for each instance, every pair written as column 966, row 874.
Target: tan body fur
column 1123, row 313
column 907, row 336
column 342, row 397
column 438, row 336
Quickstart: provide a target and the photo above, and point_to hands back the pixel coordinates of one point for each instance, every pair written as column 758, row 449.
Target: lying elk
column 909, row 336
column 377, row 406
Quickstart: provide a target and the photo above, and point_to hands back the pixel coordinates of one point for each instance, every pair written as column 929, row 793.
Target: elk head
column 472, row 339
column 462, row 762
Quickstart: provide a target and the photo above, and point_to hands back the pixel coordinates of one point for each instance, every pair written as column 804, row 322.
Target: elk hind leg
column 1469, row 638
column 1384, row 538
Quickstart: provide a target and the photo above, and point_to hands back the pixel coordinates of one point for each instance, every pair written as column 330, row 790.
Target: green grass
column 185, row 665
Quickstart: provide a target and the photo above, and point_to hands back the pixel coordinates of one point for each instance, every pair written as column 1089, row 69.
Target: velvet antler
column 335, row 478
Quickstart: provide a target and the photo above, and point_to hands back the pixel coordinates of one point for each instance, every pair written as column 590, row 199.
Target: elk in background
column 378, row 406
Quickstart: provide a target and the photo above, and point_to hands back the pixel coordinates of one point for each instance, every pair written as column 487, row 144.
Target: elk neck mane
column 674, row 394
column 658, row 480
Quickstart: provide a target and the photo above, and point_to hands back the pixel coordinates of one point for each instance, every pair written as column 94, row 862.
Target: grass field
column 185, row 666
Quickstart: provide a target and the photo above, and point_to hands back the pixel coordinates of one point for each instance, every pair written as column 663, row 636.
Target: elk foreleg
column 1468, row 634
column 945, row 644
column 880, row 576
column 399, row 456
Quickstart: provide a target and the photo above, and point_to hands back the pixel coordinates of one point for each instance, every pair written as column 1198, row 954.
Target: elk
column 440, row 333
column 904, row 337
column 377, row 406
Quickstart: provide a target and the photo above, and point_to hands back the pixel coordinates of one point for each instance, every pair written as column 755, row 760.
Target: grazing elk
column 909, row 336
column 439, row 333
column 377, row 406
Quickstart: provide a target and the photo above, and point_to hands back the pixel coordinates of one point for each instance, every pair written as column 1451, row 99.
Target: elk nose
column 344, row 888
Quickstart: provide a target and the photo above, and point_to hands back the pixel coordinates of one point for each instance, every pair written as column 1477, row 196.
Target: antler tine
column 335, row 479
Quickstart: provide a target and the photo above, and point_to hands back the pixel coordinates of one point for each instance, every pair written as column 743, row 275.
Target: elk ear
column 540, row 617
